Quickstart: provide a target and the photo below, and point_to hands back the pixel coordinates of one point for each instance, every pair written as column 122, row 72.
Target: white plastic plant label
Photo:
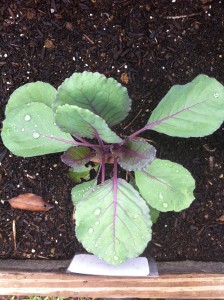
column 92, row 265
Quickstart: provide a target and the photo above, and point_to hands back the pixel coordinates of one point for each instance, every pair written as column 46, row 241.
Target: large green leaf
column 136, row 155
column 191, row 110
column 30, row 130
column 31, row 92
column 103, row 96
column 84, row 123
column 82, row 191
column 113, row 222
column 166, row 186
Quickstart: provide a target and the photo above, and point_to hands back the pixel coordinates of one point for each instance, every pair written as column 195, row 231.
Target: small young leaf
column 84, row 123
column 29, row 202
column 191, row 110
column 82, row 190
column 166, row 186
column 31, row 92
column 79, row 173
column 93, row 91
column 136, row 155
column 76, row 156
column 30, row 131
column 113, row 222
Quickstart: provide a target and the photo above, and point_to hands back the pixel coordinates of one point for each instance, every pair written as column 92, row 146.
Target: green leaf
column 31, row 92
column 93, row 91
column 30, row 131
column 191, row 110
column 113, row 222
column 84, row 123
column 136, row 155
column 76, row 156
column 77, row 174
column 82, row 190
column 166, row 186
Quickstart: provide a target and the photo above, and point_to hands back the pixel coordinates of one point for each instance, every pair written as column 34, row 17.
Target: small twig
column 88, row 39
column 182, row 16
column 14, row 234
column 133, row 119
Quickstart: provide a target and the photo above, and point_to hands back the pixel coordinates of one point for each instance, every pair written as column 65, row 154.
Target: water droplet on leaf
column 135, row 216
column 160, row 195
column 27, row 118
column 90, row 230
column 36, row 135
column 22, row 129
column 216, row 95
column 116, row 257
column 165, row 205
column 97, row 212
column 97, row 223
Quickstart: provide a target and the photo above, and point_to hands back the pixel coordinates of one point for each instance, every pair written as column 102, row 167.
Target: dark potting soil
column 146, row 45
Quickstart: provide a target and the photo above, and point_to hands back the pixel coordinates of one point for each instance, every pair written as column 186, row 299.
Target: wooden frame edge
column 172, row 283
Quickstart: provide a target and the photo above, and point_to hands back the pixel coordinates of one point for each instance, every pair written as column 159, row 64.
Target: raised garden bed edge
column 187, row 279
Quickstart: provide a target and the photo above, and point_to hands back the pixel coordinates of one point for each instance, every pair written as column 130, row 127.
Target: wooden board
column 58, row 283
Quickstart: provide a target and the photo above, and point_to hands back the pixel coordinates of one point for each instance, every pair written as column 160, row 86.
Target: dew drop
column 97, row 223
column 216, row 95
column 22, row 129
column 97, row 212
column 27, row 118
column 35, row 125
column 165, row 205
column 160, row 195
column 116, row 257
column 36, row 135
column 135, row 216
column 177, row 171
column 96, row 245
column 90, row 230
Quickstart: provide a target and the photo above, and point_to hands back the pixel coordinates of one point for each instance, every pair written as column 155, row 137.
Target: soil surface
column 146, row 45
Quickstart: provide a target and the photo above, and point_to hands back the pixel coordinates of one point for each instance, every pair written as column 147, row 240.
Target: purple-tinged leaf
column 113, row 222
column 136, row 155
column 191, row 110
column 77, row 156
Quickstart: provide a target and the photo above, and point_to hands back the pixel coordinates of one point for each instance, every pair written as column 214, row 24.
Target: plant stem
column 75, row 143
column 138, row 132
column 103, row 154
column 85, row 142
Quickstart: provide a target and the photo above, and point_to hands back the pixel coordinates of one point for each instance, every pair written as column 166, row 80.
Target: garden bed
column 147, row 46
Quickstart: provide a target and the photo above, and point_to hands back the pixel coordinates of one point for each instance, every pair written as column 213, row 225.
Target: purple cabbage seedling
column 113, row 216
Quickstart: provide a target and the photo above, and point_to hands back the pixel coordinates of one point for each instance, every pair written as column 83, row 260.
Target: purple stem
column 63, row 140
column 115, row 197
column 87, row 144
column 103, row 152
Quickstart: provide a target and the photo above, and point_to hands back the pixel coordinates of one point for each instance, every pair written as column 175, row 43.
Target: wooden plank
column 180, row 267
column 196, row 286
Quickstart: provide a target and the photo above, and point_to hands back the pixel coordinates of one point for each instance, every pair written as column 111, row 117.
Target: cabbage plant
column 113, row 216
